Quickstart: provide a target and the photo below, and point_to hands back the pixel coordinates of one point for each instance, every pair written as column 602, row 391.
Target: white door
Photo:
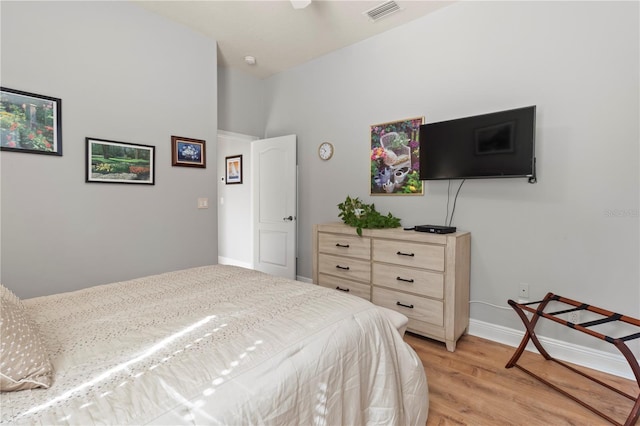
column 274, row 182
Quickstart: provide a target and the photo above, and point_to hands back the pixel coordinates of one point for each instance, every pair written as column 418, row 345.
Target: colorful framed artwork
column 119, row 162
column 188, row 152
column 233, row 169
column 395, row 158
column 30, row 123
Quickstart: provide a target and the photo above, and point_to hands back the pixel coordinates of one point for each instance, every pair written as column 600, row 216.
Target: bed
column 211, row 345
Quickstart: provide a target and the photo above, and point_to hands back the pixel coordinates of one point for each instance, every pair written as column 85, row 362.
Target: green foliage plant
column 355, row 213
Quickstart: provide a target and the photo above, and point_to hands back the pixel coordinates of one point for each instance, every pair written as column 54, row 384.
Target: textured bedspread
column 219, row 345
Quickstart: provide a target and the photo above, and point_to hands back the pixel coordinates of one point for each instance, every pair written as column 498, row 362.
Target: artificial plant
column 355, row 213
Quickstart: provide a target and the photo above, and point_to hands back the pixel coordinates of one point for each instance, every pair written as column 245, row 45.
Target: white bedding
column 219, row 345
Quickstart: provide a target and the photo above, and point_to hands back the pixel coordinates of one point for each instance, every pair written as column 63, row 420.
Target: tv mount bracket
column 533, row 178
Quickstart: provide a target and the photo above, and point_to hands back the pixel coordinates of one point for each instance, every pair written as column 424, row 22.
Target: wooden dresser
column 423, row 276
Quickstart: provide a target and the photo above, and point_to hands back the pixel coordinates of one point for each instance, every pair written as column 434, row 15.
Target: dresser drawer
column 415, row 307
column 429, row 256
column 344, row 267
column 344, row 245
column 347, row 286
column 419, row 281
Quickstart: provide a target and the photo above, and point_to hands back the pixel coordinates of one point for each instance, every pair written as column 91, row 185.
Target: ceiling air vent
column 382, row 10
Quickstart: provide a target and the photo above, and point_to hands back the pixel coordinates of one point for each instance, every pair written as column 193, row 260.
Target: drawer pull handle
column 346, row 268
column 406, row 306
column 405, row 254
column 342, row 245
column 410, row 280
column 342, row 289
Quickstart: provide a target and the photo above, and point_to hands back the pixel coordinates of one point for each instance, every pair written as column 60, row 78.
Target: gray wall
column 576, row 232
column 126, row 75
column 241, row 102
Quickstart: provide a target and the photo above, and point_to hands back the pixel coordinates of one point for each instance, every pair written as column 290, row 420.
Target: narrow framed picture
column 119, row 162
column 188, row 152
column 233, row 169
column 395, row 158
column 30, row 123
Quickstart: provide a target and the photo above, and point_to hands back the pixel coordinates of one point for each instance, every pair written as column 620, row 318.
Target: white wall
column 235, row 221
column 123, row 74
column 577, row 61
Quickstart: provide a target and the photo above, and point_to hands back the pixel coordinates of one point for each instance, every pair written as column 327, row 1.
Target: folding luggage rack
column 607, row 317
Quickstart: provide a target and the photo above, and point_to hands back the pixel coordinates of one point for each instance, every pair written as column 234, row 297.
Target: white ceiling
column 279, row 36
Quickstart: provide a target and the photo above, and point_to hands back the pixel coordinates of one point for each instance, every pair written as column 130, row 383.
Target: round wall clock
column 325, row 150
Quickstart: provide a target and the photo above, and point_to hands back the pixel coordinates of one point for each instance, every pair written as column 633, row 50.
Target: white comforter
column 220, row 345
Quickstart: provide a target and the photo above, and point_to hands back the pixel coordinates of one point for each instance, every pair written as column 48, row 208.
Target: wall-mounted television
column 495, row 145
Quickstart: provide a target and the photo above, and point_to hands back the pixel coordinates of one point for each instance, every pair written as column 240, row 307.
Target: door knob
column 290, row 218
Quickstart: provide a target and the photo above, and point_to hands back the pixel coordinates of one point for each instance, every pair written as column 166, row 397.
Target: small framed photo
column 233, row 169
column 188, row 152
column 119, row 162
column 30, row 123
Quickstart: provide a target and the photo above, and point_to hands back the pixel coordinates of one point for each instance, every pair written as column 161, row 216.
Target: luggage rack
column 607, row 317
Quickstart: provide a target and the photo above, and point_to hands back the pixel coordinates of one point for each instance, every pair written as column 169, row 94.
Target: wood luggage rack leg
column 607, row 316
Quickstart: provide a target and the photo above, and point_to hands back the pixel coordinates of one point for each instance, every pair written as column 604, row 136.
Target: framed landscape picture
column 30, row 123
column 233, row 169
column 188, row 152
column 395, row 158
column 119, row 162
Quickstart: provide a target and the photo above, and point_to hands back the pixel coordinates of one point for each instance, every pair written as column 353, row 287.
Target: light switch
column 203, row 203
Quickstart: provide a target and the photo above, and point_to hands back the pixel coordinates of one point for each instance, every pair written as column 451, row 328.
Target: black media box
column 436, row 229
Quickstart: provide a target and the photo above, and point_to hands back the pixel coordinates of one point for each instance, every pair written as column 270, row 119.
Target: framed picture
column 119, row 162
column 30, row 123
column 188, row 152
column 233, row 169
column 395, row 158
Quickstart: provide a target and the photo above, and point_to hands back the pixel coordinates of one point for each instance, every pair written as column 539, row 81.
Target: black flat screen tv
column 495, row 145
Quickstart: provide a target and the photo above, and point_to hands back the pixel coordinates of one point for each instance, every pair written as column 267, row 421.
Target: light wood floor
column 471, row 386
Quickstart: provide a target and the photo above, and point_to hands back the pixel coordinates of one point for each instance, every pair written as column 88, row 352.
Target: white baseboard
column 233, row 262
column 304, row 279
column 575, row 354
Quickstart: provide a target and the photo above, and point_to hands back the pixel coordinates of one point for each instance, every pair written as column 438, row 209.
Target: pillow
column 23, row 362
